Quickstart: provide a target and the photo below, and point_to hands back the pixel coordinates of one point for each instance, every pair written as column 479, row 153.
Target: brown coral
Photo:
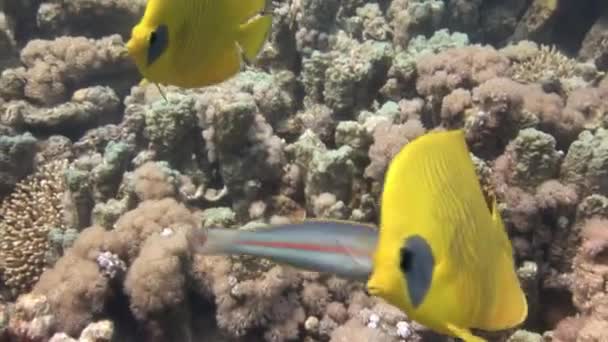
column 151, row 182
column 148, row 238
column 388, row 141
column 459, row 68
column 56, row 67
column 28, row 214
column 453, row 107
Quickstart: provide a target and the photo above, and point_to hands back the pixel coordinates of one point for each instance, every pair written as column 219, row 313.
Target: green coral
column 304, row 148
column 313, row 76
column 586, row 163
column 593, row 206
column 535, row 157
column 330, row 171
column 59, row 240
column 106, row 176
column 107, row 213
column 273, row 93
column 167, row 123
column 218, row 217
column 16, row 159
column 351, row 79
column 353, row 134
column 440, row 40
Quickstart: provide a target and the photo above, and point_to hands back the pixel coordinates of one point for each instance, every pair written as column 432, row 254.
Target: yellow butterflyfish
column 195, row 43
column 443, row 256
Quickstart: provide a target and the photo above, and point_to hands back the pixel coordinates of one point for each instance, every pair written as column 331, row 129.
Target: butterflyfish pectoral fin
column 509, row 306
column 253, row 34
column 245, row 10
column 464, row 334
column 161, row 92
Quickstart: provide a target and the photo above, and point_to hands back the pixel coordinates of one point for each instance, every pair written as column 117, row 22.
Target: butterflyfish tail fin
column 253, row 34
column 245, row 10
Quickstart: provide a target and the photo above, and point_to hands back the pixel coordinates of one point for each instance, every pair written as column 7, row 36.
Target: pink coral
column 567, row 329
column 388, row 141
column 457, row 68
column 595, row 237
column 493, row 123
column 589, row 279
column 453, row 107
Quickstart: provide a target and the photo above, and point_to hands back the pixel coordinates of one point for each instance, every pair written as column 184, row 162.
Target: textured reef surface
column 101, row 179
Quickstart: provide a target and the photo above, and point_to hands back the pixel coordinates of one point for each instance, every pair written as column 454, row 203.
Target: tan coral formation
column 28, row 215
column 547, row 60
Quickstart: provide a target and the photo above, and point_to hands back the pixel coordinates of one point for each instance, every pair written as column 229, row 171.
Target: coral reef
column 103, row 179
column 28, row 216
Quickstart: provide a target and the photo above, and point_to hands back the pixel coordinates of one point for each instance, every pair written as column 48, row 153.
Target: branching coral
column 547, row 63
column 28, row 215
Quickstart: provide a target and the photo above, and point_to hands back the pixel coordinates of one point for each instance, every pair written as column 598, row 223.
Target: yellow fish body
column 443, row 257
column 195, row 43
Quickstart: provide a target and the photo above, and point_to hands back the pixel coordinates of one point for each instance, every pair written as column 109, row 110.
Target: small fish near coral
column 441, row 254
column 195, row 43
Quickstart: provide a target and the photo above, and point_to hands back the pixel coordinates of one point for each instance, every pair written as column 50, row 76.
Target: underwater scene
column 304, row 170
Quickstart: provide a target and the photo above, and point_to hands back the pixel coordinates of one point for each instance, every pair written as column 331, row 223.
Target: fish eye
column 158, row 43
column 152, row 37
column 406, row 260
column 417, row 264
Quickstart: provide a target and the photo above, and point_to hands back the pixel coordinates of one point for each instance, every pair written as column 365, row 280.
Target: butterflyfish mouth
column 130, row 46
column 371, row 291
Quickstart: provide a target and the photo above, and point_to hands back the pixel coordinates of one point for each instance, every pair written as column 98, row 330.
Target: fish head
column 147, row 46
column 386, row 280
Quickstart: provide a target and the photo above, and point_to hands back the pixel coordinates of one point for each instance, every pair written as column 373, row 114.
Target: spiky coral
column 28, row 214
column 548, row 59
